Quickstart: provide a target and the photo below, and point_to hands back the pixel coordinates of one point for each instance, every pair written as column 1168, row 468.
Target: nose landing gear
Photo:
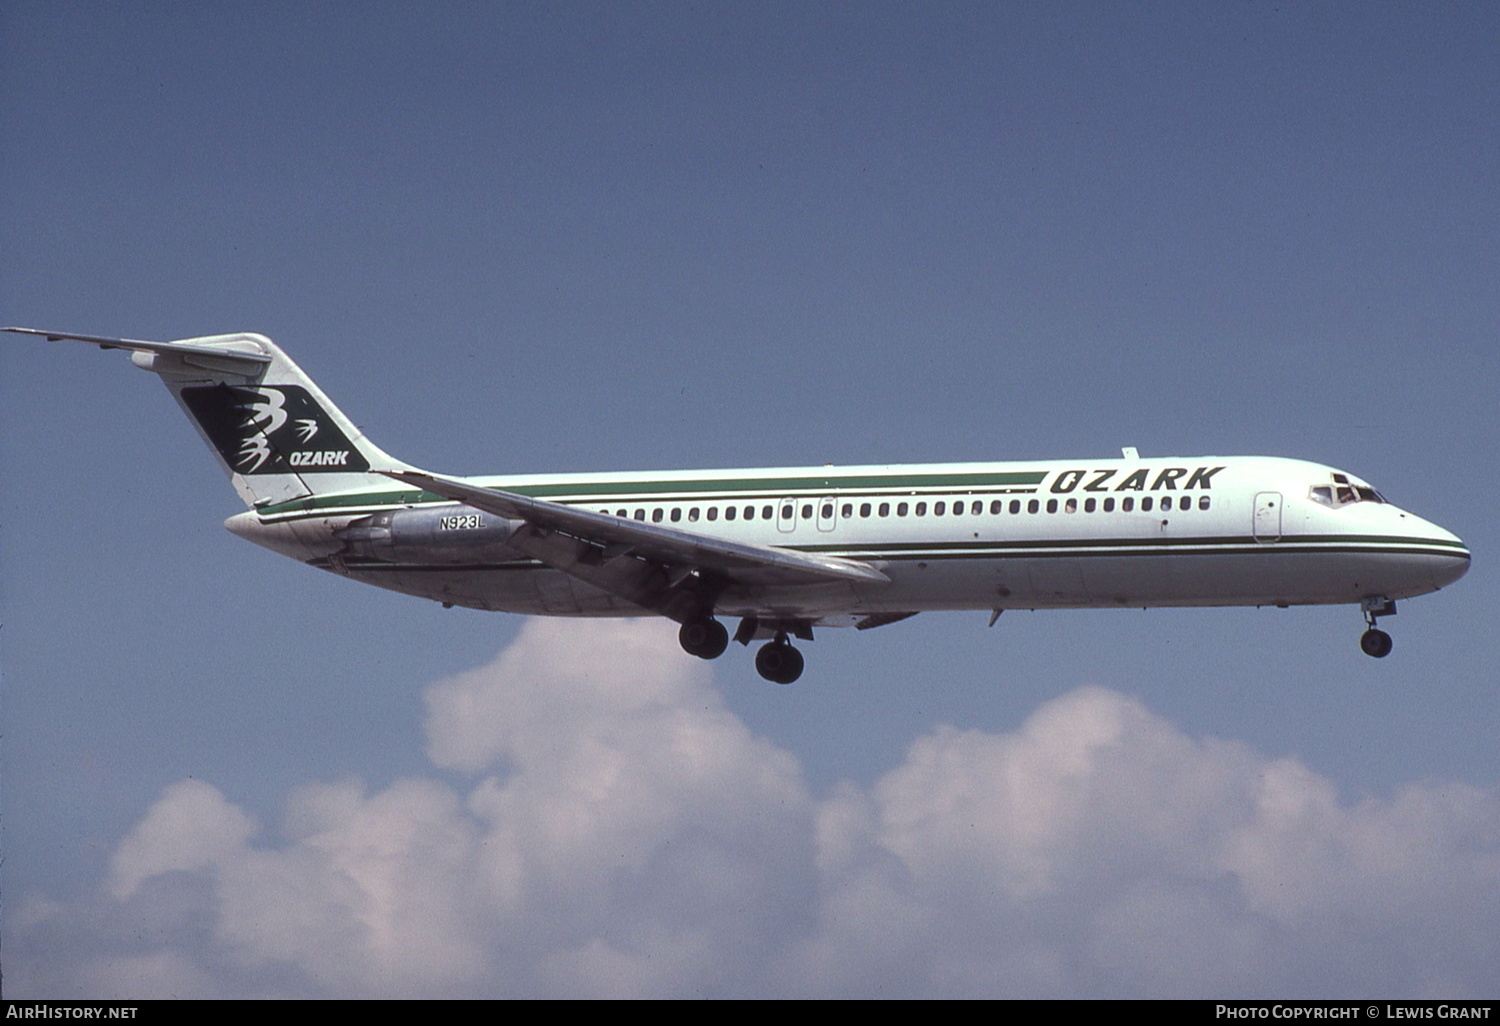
column 1374, row 641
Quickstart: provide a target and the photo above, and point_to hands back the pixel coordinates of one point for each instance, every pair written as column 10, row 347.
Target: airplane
column 784, row 550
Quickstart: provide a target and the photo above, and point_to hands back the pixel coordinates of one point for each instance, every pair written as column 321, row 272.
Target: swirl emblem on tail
column 272, row 429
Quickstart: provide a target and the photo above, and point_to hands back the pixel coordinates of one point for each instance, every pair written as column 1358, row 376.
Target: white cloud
column 191, row 827
column 608, row 827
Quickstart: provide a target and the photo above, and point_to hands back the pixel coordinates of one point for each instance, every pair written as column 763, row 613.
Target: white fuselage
column 1196, row 531
column 787, row 549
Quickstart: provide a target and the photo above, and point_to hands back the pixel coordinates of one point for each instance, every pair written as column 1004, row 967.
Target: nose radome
column 1452, row 563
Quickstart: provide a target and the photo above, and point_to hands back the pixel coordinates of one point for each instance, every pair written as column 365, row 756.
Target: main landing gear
column 1374, row 641
column 706, row 638
column 777, row 661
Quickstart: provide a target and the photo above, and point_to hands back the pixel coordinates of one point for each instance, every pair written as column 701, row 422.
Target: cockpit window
column 1342, row 492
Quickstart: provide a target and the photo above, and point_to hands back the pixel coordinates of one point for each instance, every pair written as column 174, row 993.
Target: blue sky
column 591, row 237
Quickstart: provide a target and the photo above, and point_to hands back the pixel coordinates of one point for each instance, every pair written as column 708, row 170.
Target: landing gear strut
column 1374, row 641
column 705, row 638
column 778, row 662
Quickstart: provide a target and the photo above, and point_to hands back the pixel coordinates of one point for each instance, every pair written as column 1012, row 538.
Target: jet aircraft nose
column 1453, row 567
column 1449, row 559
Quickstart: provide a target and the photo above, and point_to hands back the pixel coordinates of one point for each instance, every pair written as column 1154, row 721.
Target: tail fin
column 275, row 433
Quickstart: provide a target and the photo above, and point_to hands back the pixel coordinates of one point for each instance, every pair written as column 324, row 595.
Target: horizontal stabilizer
column 251, row 360
column 272, row 430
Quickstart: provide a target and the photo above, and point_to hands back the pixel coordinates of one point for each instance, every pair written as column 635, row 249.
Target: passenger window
column 901, row 509
column 996, row 507
column 656, row 515
column 885, row 509
column 640, row 514
column 786, row 511
column 976, row 508
column 676, row 514
column 958, row 508
column 713, row 512
column 827, row 513
column 864, row 509
column 1146, row 504
column 1127, row 504
column 1015, row 506
column 1166, row 503
column 730, row 512
column 921, row 509
column 806, row 511
column 847, row 511
column 621, row 513
column 749, row 512
column 939, row 508
column 1088, row 505
column 1203, row 502
column 766, row 511
column 692, row 514
column 1033, row 506
column 1109, row 504
column 1051, row 505
column 1071, row 506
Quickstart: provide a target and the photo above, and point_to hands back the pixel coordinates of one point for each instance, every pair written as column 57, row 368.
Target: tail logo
column 268, row 429
column 254, row 452
column 267, row 412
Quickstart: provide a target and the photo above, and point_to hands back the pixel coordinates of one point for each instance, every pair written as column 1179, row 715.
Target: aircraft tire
column 778, row 662
column 1376, row 643
column 706, row 638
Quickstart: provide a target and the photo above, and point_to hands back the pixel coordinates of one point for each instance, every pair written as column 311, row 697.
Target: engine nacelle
column 457, row 534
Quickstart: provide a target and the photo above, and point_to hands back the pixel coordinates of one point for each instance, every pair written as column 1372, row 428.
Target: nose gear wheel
column 1374, row 641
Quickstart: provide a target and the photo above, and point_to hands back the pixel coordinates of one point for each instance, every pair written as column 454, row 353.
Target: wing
column 662, row 569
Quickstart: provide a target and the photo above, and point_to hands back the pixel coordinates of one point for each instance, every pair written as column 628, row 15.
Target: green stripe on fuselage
column 1187, row 542
column 724, row 489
